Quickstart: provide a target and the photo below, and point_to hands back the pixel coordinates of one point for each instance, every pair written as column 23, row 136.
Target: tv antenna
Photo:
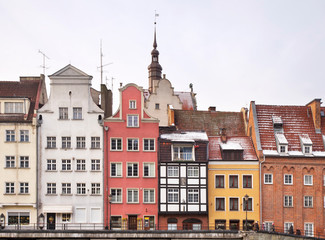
column 101, row 63
column 44, row 56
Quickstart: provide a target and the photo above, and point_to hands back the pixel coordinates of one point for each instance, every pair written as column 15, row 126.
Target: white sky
column 233, row 52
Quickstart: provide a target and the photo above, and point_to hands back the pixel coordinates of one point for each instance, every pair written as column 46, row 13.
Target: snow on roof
column 186, row 99
column 281, row 138
column 185, row 136
column 304, row 138
column 319, row 154
column 270, row 152
column 277, row 120
column 231, row 146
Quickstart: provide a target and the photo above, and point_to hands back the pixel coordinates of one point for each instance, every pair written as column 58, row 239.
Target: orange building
column 289, row 141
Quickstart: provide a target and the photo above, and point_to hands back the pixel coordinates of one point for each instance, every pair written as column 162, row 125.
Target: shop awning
column 57, row 209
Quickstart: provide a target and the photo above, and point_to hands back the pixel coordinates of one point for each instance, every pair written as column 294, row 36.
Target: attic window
column 283, row 149
column 183, row 153
column 232, row 155
column 281, row 142
column 277, row 123
column 306, row 144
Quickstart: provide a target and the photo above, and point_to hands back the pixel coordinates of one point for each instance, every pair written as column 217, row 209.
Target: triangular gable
column 69, row 71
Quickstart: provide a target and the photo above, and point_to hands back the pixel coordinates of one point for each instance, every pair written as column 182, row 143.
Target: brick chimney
column 212, row 109
column 315, row 110
column 223, row 135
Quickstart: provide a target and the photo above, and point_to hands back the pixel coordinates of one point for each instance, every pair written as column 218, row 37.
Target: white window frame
column 288, row 179
column 66, row 217
column 51, row 165
column 134, row 144
column 151, row 169
column 132, row 120
column 224, row 181
column 288, row 201
column 287, row 226
column 193, row 195
column 233, row 175
column 308, row 182
column 268, row 225
column 308, row 201
column 77, row 113
column 172, row 171
column 95, row 142
column 224, row 202
column 81, row 142
column 66, row 165
column 10, row 135
column 117, row 198
column 193, row 171
column 66, row 142
column 24, row 135
column 179, row 154
column 63, row 113
column 118, row 170
column 132, row 164
column 51, row 142
column 134, row 195
column 114, row 141
column 95, row 165
column 10, row 162
column 24, row 162
column 283, row 146
column 51, row 189
column 249, row 199
column 14, row 107
column 9, row 188
column 252, row 182
column 23, row 188
column 66, row 189
column 95, row 189
column 173, row 195
column 81, row 189
column 81, row 165
column 305, row 147
column 266, row 180
column 309, row 232
column 147, row 194
column 238, row 204
column 132, row 104
column 149, row 145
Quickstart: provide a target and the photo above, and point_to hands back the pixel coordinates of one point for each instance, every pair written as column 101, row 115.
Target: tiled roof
column 211, row 122
column 186, row 99
column 22, row 89
column 244, row 141
column 297, row 120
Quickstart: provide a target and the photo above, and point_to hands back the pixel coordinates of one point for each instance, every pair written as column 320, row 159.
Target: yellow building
column 233, row 173
column 18, row 143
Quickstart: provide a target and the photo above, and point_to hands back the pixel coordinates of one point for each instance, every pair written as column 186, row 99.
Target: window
column 24, row 162
column 95, row 142
column 10, row 188
column 247, row 181
column 10, row 135
column 192, row 171
column 248, row 204
column 133, row 144
column 233, row 204
column 157, row 106
column 51, row 165
column 308, row 180
column 24, row 135
column 13, row 107
column 24, row 188
column 172, row 226
column 283, row 149
column 81, row 165
column 116, row 144
column 172, row 171
column 66, row 217
column 232, row 155
column 51, row 142
column 288, row 180
column 10, row 162
column 116, row 222
column 116, row 169
column 268, row 178
column 77, row 113
column 172, row 195
column 66, row 188
column 193, row 195
column 149, row 169
column 220, row 204
column 66, row 165
column 51, row 188
column 288, row 201
column 116, row 195
column 220, row 181
column 132, row 169
column 133, row 195
column 18, row 218
column 148, row 196
column 308, row 201
column 183, row 153
column 233, row 181
column 220, row 224
column 132, row 104
column 148, row 144
column 323, row 180
column 66, row 142
column 133, row 121
column 95, row 164
column 307, row 149
column 95, row 188
column 287, row 226
column 268, row 226
column 63, row 113
column 309, row 229
column 81, row 142
column 81, row 188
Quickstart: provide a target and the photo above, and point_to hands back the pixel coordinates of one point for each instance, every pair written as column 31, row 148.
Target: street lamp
column 2, row 221
column 41, row 221
column 110, row 203
column 246, row 206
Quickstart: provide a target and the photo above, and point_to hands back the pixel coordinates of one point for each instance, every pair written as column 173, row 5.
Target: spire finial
column 155, row 41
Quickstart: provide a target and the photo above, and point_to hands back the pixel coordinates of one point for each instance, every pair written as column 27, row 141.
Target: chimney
column 212, row 109
column 223, row 135
column 315, row 111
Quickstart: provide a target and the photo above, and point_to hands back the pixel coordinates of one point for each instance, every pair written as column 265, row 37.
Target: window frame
column 147, row 147
column 10, row 162
column 215, row 181
column 81, row 165
column 10, row 188
column 24, row 162
column 80, row 142
column 172, row 169
column 66, row 189
column 243, row 181
column 149, row 197
column 177, row 155
column 81, row 189
column 193, row 171
column 288, row 201
column 121, row 170
column 151, row 169
column 77, row 113
column 24, row 135
column 193, row 193
column 309, row 233
column 306, row 182
column 10, row 135
column 134, row 147
column 51, row 142
column 290, row 178
column 172, row 195
column 95, row 142
column 49, row 164
column 95, row 189
column 51, row 188
column 95, row 165
column 118, row 195
column 114, row 142
column 132, row 165
column 132, row 120
column 229, row 177
column 224, row 204
column 132, row 104
column 250, row 204
column 66, row 165
column 308, row 201
column 232, row 204
column 266, row 182
column 134, row 195
column 63, row 113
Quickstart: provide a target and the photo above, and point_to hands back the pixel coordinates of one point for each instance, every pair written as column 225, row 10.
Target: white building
column 70, row 190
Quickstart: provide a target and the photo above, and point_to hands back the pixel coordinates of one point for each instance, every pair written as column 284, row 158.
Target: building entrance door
column 132, row 222
column 51, row 221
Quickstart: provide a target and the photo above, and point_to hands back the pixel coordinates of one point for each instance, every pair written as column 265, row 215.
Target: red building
column 130, row 176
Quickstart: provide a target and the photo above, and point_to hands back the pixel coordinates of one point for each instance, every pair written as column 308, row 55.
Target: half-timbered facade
column 183, row 180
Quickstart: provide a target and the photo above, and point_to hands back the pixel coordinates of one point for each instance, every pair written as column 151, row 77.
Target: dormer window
column 14, row 107
column 231, row 151
column 183, row 153
column 277, row 124
column 282, row 143
column 283, row 149
column 306, row 144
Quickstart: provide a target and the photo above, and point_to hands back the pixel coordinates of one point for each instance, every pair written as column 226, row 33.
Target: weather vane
column 156, row 15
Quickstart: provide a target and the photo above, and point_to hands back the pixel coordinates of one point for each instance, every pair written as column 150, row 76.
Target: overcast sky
column 233, row 52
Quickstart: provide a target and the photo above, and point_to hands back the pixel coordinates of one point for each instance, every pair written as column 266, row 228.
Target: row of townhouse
column 157, row 162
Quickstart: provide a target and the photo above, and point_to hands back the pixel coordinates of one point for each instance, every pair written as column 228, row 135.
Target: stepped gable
column 210, row 121
column 297, row 120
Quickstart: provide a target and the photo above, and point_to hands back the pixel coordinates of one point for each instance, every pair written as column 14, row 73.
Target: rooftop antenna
column 44, row 56
column 101, row 63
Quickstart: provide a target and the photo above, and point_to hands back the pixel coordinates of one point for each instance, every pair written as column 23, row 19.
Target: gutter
column 261, row 202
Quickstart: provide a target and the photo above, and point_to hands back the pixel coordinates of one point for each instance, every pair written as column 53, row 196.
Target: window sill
column 81, row 148
column 116, row 176
column 10, row 141
column 118, row 150
column 51, row 170
column 133, row 150
column 66, row 149
column 149, row 203
column 50, row 194
column 82, row 195
column 68, row 195
column 51, row 148
column 10, row 168
column 149, row 151
column 77, row 119
column 95, row 194
column 65, row 170
column 149, row 177
column 95, row 170
column 23, row 193
column 132, row 202
column 63, row 119
column 24, row 142
column 80, row 171
column 93, row 148
column 9, row 194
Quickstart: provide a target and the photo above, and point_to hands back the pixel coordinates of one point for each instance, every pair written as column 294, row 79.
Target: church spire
column 154, row 68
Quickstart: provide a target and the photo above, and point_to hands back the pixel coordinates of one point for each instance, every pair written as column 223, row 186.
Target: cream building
column 18, row 150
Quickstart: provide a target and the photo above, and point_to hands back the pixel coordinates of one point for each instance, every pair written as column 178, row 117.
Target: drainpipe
column 261, row 202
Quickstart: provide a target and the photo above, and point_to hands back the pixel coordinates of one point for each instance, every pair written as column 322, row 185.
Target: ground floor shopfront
column 183, row 222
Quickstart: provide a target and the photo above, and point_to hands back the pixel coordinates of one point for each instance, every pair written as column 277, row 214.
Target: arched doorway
column 192, row 224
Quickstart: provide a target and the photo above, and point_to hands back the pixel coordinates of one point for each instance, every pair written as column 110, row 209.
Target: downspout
column 261, row 202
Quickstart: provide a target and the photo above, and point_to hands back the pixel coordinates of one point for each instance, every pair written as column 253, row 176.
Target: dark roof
column 211, row 122
column 297, row 120
column 25, row 88
column 244, row 141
